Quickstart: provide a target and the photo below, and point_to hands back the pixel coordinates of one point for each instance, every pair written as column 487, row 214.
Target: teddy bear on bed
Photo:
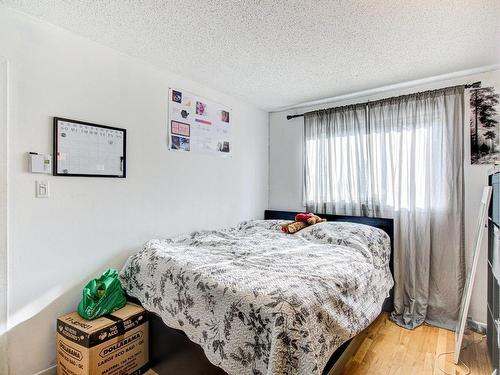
column 301, row 221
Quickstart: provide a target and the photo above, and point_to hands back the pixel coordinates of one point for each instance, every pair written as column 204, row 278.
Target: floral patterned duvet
column 260, row 301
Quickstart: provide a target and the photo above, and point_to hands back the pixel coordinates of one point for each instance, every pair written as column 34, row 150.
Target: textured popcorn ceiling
column 279, row 53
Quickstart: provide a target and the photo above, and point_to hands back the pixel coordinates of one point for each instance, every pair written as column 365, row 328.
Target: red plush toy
column 301, row 221
column 309, row 218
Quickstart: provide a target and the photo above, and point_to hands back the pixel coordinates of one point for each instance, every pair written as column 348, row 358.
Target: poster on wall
column 198, row 125
column 484, row 126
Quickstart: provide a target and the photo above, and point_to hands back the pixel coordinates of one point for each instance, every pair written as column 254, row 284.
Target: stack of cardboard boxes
column 115, row 344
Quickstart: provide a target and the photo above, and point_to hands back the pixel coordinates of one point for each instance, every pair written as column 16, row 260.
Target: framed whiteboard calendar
column 88, row 150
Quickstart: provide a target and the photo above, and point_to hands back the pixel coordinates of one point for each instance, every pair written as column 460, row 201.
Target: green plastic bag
column 102, row 296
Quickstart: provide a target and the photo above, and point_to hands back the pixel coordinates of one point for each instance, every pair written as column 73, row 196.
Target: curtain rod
column 475, row 85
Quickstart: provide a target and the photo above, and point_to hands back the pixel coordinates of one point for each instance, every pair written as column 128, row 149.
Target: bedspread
column 260, row 301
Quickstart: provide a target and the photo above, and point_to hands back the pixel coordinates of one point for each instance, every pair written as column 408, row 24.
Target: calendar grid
column 88, row 150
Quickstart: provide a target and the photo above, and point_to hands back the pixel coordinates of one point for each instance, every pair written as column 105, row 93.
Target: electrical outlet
column 42, row 189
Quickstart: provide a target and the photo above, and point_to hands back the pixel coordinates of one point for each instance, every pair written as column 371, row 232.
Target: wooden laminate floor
column 392, row 350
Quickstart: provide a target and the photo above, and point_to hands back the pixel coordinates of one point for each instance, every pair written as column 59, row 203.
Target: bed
column 259, row 301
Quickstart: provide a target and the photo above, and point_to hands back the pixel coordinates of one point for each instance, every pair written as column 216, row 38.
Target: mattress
column 260, row 301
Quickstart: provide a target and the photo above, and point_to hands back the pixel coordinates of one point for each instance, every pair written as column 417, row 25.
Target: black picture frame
column 56, row 122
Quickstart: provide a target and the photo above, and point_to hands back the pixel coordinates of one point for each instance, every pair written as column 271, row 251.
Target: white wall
column 3, row 213
column 285, row 174
column 89, row 224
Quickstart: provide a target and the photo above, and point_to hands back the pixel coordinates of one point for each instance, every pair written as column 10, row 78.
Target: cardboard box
column 115, row 344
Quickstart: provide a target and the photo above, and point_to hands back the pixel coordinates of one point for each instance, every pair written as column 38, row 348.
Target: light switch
column 42, row 189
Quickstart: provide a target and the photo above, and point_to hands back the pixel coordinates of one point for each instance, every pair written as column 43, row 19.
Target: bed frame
column 171, row 352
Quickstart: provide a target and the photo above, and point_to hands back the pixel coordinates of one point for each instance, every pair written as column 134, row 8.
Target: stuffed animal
column 301, row 221
column 310, row 219
column 293, row 227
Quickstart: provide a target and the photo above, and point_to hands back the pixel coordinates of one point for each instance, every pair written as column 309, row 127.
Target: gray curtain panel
column 402, row 158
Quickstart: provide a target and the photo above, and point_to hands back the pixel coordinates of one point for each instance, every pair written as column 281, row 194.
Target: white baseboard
column 48, row 371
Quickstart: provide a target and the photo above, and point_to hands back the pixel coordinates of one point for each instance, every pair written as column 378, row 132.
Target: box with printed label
column 115, row 344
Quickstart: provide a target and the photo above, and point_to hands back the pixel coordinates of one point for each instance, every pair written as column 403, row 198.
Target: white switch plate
column 42, row 189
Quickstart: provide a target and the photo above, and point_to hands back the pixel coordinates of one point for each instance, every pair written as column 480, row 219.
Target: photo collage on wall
column 198, row 125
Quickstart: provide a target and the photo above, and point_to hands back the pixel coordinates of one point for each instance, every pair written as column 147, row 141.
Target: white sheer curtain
column 401, row 158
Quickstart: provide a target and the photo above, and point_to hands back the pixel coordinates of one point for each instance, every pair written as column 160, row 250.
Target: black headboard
column 387, row 225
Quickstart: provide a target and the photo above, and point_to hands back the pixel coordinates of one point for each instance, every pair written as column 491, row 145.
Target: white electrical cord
column 461, row 362
column 449, row 373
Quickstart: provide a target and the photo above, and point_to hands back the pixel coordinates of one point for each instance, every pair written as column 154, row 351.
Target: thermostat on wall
column 40, row 163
